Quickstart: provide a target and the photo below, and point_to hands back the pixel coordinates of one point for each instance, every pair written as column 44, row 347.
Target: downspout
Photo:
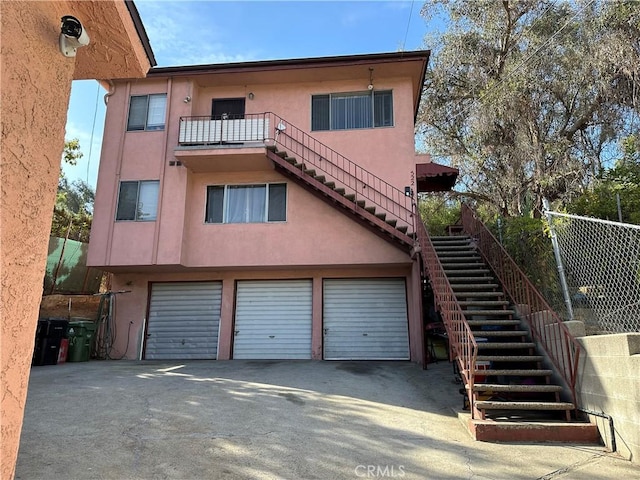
column 607, row 417
column 111, row 91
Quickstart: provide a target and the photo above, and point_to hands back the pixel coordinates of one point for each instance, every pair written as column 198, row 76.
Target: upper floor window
column 147, row 112
column 247, row 203
column 138, row 200
column 342, row 111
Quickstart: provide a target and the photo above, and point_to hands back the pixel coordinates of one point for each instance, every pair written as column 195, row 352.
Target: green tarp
column 66, row 268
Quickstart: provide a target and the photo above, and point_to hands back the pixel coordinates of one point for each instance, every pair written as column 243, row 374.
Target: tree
column 73, row 210
column 622, row 181
column 525, row 97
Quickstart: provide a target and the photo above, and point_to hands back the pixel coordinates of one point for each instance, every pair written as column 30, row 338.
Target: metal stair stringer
column 360, row 210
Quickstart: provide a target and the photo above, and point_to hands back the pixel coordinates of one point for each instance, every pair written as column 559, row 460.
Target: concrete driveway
column 270, row 420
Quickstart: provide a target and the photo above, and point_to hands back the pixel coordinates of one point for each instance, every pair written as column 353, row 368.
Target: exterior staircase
column 517, row 360
column 390, row 219
column 512, row 384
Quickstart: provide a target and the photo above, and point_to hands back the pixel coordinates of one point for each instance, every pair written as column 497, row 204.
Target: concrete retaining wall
column 609, row 382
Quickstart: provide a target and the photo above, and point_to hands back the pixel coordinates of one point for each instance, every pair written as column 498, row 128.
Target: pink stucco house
column 264, row 210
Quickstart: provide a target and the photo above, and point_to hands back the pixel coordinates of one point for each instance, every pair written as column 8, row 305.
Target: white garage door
column 273, row 320
column 184, row 318
column 365, row 319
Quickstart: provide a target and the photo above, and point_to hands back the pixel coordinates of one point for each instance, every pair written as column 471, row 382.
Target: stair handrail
column 338, row 168
column 462, row 343
column 270, row 127
column 561, row 346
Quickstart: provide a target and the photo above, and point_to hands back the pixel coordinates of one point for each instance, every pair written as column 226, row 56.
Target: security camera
column 72, row 36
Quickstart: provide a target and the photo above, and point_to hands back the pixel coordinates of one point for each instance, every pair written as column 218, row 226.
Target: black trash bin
column 49, row 334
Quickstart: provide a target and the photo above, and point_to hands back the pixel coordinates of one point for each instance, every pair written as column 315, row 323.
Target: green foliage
column 528, row 242
column 525, row 96
column 438, row 212
column 623, row 180
column 72, row 152
column 73, row 211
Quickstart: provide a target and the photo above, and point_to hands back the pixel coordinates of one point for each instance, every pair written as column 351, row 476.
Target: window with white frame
column 246, row 203
column 138, row 200
column 147, row 112
column 343, row 111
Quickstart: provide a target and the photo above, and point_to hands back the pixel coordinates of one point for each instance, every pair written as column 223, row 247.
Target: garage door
column 365, row 319
column 273, row 320
column 184, row 319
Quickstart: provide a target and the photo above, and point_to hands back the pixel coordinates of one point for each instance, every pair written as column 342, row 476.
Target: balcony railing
column 546, row 326
column 226, row 130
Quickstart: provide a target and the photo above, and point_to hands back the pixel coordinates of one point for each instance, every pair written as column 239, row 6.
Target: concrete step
column 340, row 191
column 483, row 303
column 449, row 237
column 381, row 216
column 509, row 358
column 505, row 345
column 470, row 272
column 508, row 372
column 453, row 248
column 504, row 431
column 321, row 178
column 460, row 259
column 454, row 265
column 478, row 294
column 310, row 172
column 403, row 228
column 499, row 333
column 492, row 387
column 361, row 203
column 457, row 243
column 465, row 287
column 488, row 312
column 493, row 322
column 371, row 210
column 489, row 405
column 392, row 222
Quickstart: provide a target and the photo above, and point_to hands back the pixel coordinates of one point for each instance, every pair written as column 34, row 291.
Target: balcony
column 224, row 144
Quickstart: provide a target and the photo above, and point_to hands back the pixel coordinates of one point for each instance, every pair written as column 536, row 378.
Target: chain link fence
column 601, row 261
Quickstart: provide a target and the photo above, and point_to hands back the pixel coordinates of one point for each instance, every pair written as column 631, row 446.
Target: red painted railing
column 462, row 345
column 547, row 328
column 269, row 127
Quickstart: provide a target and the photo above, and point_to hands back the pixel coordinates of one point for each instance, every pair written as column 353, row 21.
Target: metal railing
column 223, row 130
column 462, row 344
column 269, row 127
column 547, row 328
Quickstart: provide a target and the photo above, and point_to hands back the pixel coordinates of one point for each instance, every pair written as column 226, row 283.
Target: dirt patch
column 58, row 306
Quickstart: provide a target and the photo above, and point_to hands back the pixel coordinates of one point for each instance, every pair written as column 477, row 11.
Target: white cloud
column 187, row 33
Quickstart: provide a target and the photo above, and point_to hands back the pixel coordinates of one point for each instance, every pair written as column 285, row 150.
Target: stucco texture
column 35, row 95
column 36, row 83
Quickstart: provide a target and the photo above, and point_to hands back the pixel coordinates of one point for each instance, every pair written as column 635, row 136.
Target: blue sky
column 186, row 33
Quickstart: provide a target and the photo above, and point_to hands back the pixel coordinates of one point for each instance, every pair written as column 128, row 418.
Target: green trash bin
column 81, row 333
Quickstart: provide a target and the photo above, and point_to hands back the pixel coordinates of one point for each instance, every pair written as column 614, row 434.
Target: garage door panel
column 273, row 320
column 365, row 319
column 184, row 319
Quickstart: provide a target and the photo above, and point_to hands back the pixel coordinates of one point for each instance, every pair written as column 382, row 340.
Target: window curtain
column 148, row 201
column 351, row 111
column 246, row 204
column 156, row 113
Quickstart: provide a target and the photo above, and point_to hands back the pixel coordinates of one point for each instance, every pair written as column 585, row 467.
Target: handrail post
column 559, row 264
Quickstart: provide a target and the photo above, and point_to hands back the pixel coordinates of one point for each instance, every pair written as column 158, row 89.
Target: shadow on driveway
column 262, row 420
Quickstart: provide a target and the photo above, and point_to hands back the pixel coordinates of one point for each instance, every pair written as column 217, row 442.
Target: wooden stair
column 514, row 390
column 347, row 202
